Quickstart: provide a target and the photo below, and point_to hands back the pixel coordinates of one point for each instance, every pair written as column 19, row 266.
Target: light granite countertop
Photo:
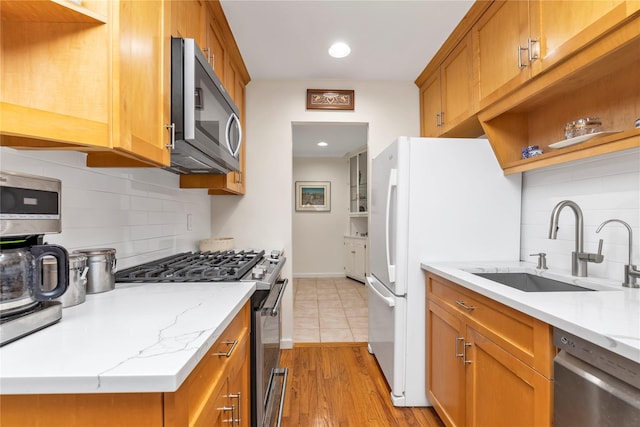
column 608, row 317
column 136, row 338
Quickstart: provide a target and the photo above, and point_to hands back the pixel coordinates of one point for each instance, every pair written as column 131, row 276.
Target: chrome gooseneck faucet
column 631, row 272
column 579, row 258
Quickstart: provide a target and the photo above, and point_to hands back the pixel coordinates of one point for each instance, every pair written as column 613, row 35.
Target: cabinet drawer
column 217, row 408
column 212, row 369
column 525, row 337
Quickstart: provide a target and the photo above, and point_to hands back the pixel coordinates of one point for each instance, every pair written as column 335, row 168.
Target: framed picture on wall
column 313, row 196
column 330, row 99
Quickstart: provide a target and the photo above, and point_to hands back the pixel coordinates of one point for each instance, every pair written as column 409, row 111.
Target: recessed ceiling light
column 322, row 144
column 339, row 50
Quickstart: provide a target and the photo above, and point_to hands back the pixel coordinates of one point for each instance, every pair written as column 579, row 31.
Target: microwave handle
column 233, row 117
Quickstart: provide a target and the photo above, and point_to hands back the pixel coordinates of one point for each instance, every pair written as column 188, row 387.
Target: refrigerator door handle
column 393, row 183
column 389, row 301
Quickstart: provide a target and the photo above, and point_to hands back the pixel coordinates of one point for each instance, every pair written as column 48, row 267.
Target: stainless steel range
column 268, row 380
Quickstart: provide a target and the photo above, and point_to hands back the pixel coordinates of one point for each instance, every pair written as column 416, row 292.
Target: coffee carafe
column 29, row 209
column 21, row 279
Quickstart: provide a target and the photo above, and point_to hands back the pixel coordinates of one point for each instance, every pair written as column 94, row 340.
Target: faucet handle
column 589, row 257
column 599, row 257
column 542, row 260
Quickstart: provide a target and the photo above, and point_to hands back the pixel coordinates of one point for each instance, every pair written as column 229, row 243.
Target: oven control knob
column 258, row 272
column 275, row 254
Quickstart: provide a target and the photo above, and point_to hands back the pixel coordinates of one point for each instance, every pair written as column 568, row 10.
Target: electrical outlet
column 189, row 222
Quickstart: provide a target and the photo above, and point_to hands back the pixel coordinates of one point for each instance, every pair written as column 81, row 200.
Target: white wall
column 318, row 236
column 141, row 213
column 263, row 217
column 604, row 187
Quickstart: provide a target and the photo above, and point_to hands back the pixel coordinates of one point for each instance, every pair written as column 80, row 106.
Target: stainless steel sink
column 531, row 283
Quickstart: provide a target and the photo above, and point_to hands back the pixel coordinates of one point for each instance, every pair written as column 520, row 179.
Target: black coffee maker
column 29, row 209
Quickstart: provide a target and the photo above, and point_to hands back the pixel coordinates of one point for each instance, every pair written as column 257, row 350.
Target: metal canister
column 76, row 292
column 102, row 268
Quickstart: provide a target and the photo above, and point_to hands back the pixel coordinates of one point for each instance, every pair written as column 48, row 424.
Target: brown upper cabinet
column 564, row 27
column 218, row 44
column 516, row 40
column 448, row 97
column 96, row 78
column 537, row 65
column 55, row 83
column 186, row 20
column 141, row 82
column 213, row 47
column 74, row 78
column 502, row 38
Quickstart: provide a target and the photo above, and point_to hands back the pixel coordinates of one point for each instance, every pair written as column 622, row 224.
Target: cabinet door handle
column 464, row 353
column 458, row 354
column 237, row 419
column 465, row 306
column 208, row 52
column 441, row 118
column 233, row 343
column 437, row 120
column 172, row 127
column 520, row 63
column 533, row 56
column 227, row 409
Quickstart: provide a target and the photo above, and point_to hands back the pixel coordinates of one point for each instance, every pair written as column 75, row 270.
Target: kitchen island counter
column 608, row 317
column 136, row 338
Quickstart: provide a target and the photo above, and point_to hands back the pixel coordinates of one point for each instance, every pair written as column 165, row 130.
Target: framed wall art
column 330, row 99
column 313, row 196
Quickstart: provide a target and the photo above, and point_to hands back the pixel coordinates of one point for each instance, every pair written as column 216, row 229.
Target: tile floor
column 329, row 309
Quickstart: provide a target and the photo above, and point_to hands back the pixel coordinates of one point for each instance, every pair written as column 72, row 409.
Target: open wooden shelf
column 599, row 81
column 607, row 144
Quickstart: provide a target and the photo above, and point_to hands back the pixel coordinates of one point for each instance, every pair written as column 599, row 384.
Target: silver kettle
column 21, row 279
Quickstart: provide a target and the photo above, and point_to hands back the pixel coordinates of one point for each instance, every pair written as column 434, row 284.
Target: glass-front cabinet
column 358, row 184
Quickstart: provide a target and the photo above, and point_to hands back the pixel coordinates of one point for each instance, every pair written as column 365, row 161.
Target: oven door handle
column 276, row 306
column 284, row 372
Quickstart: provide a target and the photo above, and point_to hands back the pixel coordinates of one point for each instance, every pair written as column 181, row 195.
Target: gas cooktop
column 219, row 266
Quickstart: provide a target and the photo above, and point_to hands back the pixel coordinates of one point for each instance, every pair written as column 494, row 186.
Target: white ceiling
column 341, row 138
column 390, row 40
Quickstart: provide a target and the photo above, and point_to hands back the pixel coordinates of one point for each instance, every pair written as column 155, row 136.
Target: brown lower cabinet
column 216, row 391
column 487, row 364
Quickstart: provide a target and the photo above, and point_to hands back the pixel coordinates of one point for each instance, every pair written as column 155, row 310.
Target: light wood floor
column 342, row 385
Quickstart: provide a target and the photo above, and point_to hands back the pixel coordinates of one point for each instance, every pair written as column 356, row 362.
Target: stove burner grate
column 219, row 266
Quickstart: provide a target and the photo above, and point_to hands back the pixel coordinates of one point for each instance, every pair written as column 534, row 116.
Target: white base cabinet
column 355, row 258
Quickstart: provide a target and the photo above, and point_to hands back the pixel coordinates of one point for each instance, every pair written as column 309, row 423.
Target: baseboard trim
column 314, row 275
column 286, row 344
column 330, row 344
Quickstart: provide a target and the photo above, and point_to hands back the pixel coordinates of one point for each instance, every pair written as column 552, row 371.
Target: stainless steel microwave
column 206, row 134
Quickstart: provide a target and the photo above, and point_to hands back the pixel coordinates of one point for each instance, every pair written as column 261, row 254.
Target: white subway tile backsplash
column 142, row 213
column 139, row 212
column 604, row 187
column 140, row 203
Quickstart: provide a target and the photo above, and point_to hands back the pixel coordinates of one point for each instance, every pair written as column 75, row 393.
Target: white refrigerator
column 432, row 200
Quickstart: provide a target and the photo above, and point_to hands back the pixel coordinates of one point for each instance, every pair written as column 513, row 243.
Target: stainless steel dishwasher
column 593, row 387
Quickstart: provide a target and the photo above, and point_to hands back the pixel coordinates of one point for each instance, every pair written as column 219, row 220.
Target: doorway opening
column 328, row 305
